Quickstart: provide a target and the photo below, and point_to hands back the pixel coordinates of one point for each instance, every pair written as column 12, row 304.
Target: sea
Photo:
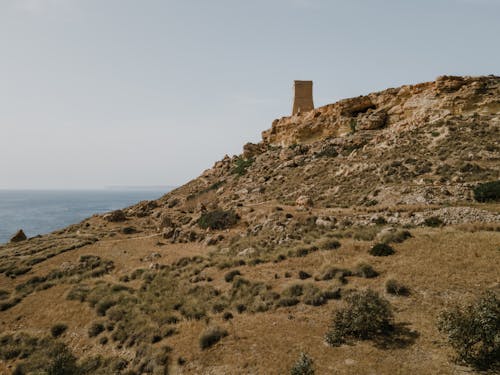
column 43, row 211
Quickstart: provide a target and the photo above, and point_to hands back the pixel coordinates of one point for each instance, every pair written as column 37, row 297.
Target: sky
column 97, row 93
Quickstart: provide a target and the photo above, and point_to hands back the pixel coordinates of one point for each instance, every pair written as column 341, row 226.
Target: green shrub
column 330, row 245
column 330, row 273
column 287, row 302
column 313, row 296
column 241, row 165
column 227, row 316
column 58, row 329
column 95, row 329
column 229, row 277
column 303, row 366
column 4, row 294
column 218, row 219
column 488, row 191
column 294, row 290
column 397, row 236
column 8, row 304
column 433, row 222
column 381, row 250
column 104, row 306
column 332, row 293
column 474, row 331
column 304, row 275
column 366, row 271
column 62, row 362
column 212, row 336
column 365, row 316
column 396, row 288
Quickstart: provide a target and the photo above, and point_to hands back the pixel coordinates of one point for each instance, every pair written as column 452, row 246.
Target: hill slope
column 269, row 244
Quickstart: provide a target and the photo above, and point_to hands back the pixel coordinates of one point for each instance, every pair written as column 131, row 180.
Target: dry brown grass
column 437, row 264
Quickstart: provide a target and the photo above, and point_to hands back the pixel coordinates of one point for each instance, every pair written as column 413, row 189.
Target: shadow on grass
column 399, row 337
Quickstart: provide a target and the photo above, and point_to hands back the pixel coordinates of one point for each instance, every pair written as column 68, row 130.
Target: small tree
column 474, row 331
column 365, row 316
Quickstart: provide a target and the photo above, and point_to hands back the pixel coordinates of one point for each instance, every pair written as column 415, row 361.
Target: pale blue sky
column 147, row 92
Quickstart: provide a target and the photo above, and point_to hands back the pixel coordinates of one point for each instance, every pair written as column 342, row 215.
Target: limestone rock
column 247, row 252
column 115, row 216
column 304, row 201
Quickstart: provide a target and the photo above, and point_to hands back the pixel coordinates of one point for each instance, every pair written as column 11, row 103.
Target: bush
column 303, row 366
column 313, row 296
column 212, row 336
column 58, row 329
column 287, row 302
column 241, row 165
column 488, row 191
column 63, row 362
column 474, row 331
column 381, row 250
column 330, row 273
column 294, row 290
column 330, row 245
column 396, row 288
column 304, row 275
column 332, row 293
column 397, row 236
column 229, row 277
column 218, row 219
column 433, row 222
column 4, row 294
column 366, row 271
column 365, row 316
column 104, row 306
column 95, row 329
column 227, row 316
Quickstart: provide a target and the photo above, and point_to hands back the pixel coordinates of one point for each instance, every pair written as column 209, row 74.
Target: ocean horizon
column 44, row 211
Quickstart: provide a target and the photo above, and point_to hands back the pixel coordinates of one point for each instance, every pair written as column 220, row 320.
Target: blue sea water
column 40, row 212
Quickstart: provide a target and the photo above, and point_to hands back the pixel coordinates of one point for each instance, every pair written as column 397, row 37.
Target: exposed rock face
column 19, row 236
column 115, row 216
column 407, row 106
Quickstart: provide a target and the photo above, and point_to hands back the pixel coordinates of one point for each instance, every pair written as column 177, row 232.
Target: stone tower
column 303, row 96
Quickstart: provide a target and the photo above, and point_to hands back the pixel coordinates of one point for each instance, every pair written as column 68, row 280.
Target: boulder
column 18, row 237
column 115, row 216
column 304, row 201
column 247, row 252
column 251, row 150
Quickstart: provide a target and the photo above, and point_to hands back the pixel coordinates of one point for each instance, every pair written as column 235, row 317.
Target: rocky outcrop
column 115, row 216
column 395, row 108
column 18, row 237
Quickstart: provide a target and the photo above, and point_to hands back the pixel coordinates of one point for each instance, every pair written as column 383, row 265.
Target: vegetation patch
column 212, row 336
column 433, row 222
column 366, row 271
column 303, row 366
column 487, row 192
column 58, row 329
column 229, row 277
column 365, row 316
column 398, row 236
column 218, row 219
column 381, row 250
column 396, row 288
column 241, row 165
column 473, row 331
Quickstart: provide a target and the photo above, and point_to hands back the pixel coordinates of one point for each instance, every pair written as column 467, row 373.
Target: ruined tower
column 303, row 96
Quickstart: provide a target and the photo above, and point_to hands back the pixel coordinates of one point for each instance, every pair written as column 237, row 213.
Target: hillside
column 267, row 246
